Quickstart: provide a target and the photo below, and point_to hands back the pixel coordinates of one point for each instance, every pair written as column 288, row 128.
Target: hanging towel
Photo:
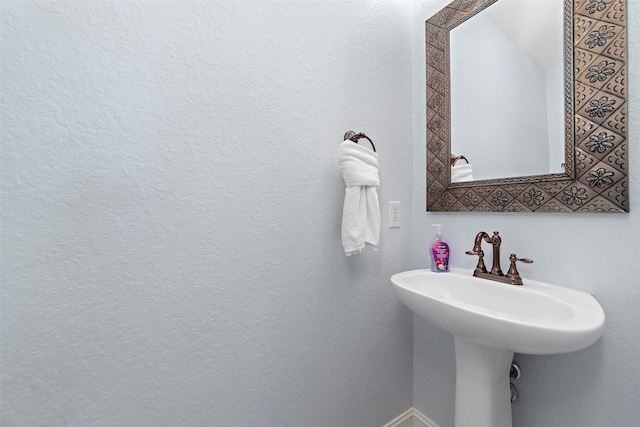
column 361, row 213
column 461, row 173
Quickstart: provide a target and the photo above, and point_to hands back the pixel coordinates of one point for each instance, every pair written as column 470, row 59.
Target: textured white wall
column 598, row 386
column 170, row 224
column 171, row 213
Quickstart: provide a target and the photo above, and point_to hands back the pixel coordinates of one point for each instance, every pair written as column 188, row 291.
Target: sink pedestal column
column 482, row 385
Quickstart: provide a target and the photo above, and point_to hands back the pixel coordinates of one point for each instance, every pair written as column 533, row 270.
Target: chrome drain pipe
column 514, row 374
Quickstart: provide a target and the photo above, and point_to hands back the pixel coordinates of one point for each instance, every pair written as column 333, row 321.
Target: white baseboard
column 411, row 418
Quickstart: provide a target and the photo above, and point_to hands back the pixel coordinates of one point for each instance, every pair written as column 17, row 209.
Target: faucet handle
column 514, row 258
column 480, row 267
column 513, row 271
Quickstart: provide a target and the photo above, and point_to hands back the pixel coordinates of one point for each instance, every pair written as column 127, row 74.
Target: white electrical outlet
column 394, row 214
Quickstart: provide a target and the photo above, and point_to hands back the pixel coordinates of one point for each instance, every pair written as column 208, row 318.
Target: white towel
column 461, row 173
column 361, row 213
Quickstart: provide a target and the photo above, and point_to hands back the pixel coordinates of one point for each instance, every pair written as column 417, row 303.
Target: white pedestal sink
column 490, row 322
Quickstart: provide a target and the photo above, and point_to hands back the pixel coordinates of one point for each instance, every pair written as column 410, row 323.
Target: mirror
column 521, row 85
column 595, row 173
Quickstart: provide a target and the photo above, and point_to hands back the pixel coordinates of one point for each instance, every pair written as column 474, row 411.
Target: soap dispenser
column 439, row 252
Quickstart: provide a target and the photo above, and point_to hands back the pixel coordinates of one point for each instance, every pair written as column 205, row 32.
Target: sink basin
column 490, row 322
column 535, row 318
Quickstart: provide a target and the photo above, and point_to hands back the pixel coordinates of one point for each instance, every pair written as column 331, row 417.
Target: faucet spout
column 495, row 241
column 477, row 243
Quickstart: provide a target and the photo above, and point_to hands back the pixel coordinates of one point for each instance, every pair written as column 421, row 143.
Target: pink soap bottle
column 439, row 252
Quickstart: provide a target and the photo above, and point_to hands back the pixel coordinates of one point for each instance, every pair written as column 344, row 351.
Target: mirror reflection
column 507, row 91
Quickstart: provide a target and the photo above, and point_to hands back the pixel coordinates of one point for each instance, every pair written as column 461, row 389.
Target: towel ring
column 454, row 159
column 351, row 135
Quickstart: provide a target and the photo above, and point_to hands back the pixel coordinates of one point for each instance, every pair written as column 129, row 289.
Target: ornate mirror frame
column 596, row 165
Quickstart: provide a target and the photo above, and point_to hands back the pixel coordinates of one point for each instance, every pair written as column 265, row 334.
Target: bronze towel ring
column 351, row 135
column 454, row 159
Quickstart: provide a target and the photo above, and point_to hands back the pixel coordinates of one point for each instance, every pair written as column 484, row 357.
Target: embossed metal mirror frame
column 596, row 165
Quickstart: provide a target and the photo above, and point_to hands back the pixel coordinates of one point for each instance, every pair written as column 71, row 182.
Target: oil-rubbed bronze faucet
column 512, row 277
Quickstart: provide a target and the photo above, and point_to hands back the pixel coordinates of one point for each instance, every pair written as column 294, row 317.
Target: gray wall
column 598, row 386
column 171, row 211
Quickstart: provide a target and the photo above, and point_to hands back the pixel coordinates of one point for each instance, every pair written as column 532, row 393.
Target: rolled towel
column 461, row 173
column 361, row 213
